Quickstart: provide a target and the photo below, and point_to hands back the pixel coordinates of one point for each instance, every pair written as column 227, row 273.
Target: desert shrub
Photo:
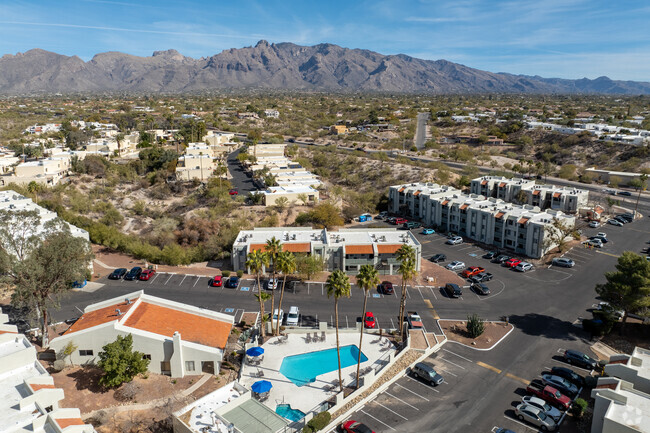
column 240, row 273
column 475, row 325
column 579, row 407
column 318, row 422
column 225, row 274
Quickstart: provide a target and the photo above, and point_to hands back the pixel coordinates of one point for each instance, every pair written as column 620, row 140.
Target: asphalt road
column 421, row 130
column 240, row 181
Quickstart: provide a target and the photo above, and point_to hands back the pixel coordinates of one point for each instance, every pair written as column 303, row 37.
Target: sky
column 550, row 38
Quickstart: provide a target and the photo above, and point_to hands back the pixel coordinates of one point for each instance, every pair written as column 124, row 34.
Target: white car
column 455, row 240
column 292, row 317
column 594, row 224
column 275, row 316
column 537, row 402
column 455, row 265
column 535, row 416
column 596, row 243
column 615, row 223
column 604, row 306
column 601, row 235
column 272, row 284
column 524, row 266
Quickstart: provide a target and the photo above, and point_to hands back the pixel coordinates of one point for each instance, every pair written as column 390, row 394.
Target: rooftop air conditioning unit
column 127, row 301
column 118, row 312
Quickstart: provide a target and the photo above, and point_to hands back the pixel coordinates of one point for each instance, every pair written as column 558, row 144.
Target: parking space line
column 412, row 392
column 397, row 398
column 407, row 292
column 378, row 420
column 519, row 422
column 390, row 410
column 170, row 277
column 433, row 293
column 461, row 357
column 421, row 293
column 446, row 371
column 452, row 363
column 421, row 384
column 154, row 278
column 392, row 324
column 517, row 378
column 197, row 280
column 488, row 366
column 184, row 276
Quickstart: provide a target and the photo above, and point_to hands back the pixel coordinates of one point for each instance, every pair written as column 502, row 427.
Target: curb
column 476, row 348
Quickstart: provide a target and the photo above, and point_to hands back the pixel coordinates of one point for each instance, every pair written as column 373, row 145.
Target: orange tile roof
column 254, row 247
column 465, row 206
column 444, row 203
column 388, row 248
column 485, row 182
column 36, row 386
column 296, row 247
column 8, row 332
column 557, row 195
column 99, row 317
column 499, row 215
column 417, row 192
column 359, row 249
column 523, row 220
column 67, row 422
column 502, row 184
column 536, row 192
column 402, row 189
column 192, row 327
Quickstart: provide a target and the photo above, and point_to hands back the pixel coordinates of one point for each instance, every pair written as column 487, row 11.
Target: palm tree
column 338, row 285
column 273, row 248
column 406, row 256
column 367, row 278
column 255, row 263
column 263, row 297
column 287, row 265
column 33, row 188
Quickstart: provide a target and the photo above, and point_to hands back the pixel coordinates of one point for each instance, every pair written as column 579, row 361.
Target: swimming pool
column 286, row 411
column 304, row 368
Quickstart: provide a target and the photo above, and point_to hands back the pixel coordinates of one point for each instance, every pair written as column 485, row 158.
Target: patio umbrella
column 255, row 351
column 261, row 386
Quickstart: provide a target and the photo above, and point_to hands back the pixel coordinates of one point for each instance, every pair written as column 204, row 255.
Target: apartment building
column 525, row 191
column 218, row 138
column 492, row 221
column 345, row 249
column 195, row 166
column 178, row 339
column 48, row 171
column 619, row 407
column 213, row 150
column 622, row 177
column 633, row 368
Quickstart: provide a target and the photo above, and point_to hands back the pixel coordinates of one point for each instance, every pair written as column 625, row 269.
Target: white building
column 275, row 114
column 195, row 166
column 178, row 339
column 633, row 368
column 48, row 172
column 292, row 192
column 619, row 407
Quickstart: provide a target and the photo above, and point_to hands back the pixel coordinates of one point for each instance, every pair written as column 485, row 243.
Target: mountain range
column 282, row 66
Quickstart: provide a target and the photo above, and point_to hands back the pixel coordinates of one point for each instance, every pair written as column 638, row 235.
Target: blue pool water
column 303, row 369
column 285, row 411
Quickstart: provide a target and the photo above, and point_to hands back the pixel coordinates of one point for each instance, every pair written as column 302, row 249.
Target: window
column 189, row 365
column 146, row 357
column 85, row 353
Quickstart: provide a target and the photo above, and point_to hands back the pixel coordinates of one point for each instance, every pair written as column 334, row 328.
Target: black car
column 490, row 255
column 621, row 220
column 386, row 287
column 501, row 258
column 626, row 216
column 625, row 193
column 580, row 359
column 437, row 258
column 481, row 288
column 602, row 239
column 453, row 290
column 481, row 278
column 117, row 274
column 569, row 375
column 134, row 273
column 232, row 282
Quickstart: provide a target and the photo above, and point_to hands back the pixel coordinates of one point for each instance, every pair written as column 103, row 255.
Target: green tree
column 255, row 264
column 273, row 248
column 120, row 362
column 628, row 288
column 68, row 350
column 286, row 263
column 281, row 203
column 34, row 187
column 338, row 286
column 407, row 269
column 475, row 325
column 308, row 266
column 18, row 235
column 367, row 278
column 47, row 271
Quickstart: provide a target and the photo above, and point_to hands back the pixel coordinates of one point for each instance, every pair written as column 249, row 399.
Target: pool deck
column 308, row 396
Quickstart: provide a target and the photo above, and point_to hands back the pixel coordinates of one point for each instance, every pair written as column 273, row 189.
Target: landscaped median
column 494, row 332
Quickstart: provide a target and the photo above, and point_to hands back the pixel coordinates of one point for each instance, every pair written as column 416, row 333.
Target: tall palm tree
column 273, row 248
column 338, row 285
column 286, row 263
column 367, row 278
column 255, row 264
column 263, row 297
column 33, row 188
column 406, row 257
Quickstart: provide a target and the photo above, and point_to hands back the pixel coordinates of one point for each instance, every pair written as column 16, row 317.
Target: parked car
column 564, row 262
column 481, row 278
column 481, row 288
column 437, row 258
column 400, row 221
column 607, row 308
column 147, row 274
column 292, row 317
column 382, row 214
column 503, row 430
column 386, row 287
column 355, row 427
column 232, row 282
column 535, row 416
column 275, row 316
column 427, row 373
column 472, row 270
column 272, row 284
column 411, row 225
column 217, row 281
column 428, row 231
column 549, row 410
column 117, row 274
column 501, row 258
column 596, row 243
column 490, row 255
column 569, row 375
column 233, row 192
column 456, row 240
column 627, row 216
column 621, row 220
column 580, row 359
column 369, row 321
column 625, row 193
column 133, row 274
column 602, row 235
column 594, row 224
column 599, row 238
column 391, row 220
column 524, row 267
column 548, row 394
column 560, row 383
column 455, row 265
column 614, row 222
column 453, row 290
column 511, row 262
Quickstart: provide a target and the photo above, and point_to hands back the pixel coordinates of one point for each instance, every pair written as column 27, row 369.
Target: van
column 411, row 225
column 292, row 317
column 427, row 373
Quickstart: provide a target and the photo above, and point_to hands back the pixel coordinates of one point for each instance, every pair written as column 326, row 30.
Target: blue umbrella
column 261, row 386
column 255, row 351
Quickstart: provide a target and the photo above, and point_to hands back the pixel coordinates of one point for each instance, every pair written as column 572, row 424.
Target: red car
column 355, row 427
column 511, row 263
column 233, row 192
column 369, row 320
column 146, row 274
column 472, row 270
column 399, row 221
column 216, row 281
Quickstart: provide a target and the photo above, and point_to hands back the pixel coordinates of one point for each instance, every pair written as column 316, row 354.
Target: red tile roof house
column 178, row 339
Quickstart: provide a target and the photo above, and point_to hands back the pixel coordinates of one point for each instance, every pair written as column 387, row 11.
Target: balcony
column 369, row 261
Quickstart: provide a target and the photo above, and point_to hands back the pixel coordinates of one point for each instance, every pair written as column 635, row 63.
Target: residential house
column 48, row 171
column 195, row 166
column 274, row 114
column 338, row 129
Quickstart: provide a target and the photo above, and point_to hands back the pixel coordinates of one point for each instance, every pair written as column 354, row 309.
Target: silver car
column 524, row 267
column 564, row 262
column 549, row 410
column 455, row 240
column 535, row 416
column 455, row 265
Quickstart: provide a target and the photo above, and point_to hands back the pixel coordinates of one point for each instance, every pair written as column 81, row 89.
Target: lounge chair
column 315, row 338
column 308, row 338
column 323, row 336
column 259, row 373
